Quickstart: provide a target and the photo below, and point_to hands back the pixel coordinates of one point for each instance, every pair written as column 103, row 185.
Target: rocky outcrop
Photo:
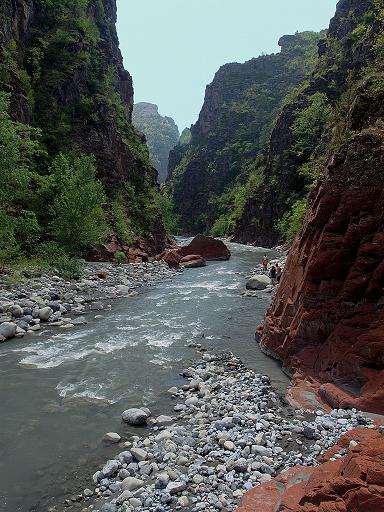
column 343, row 56
column 162, row 135
column 234, row 124
column 354, row 483
column 197, row 253
column 62, row 65
column 327, row 320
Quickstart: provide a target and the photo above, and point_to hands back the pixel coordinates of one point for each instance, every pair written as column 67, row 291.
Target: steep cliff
column 298, row 147
column 162, row 135
column 326, row 323
column 209, row 176
column 63, row 68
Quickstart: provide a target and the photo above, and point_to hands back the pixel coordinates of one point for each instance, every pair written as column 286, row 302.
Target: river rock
column 112, row 437
column 193, row 261
column 7, row 330
column 135, row 416
column 259, row 282
column 139, row 454
column 45, row 313
column 207, row 247
column 16, row 311
column 176, row 487
column 131, row 484
column 163, row 420
column 110, row 468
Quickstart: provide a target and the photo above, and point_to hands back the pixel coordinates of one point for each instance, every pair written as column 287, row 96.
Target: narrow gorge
column 191, row 320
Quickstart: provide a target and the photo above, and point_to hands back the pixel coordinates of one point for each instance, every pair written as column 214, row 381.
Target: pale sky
column 173, row 48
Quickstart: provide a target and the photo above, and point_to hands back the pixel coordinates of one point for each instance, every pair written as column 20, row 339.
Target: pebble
column 221, row 444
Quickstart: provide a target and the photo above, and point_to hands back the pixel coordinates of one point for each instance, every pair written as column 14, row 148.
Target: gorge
column 102, row 310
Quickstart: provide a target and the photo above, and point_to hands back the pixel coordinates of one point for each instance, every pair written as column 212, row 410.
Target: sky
column 173, row 48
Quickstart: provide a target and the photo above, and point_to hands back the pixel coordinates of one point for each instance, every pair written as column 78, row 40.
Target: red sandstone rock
column 171, row 258
column 327, row 319
column 203, row 247
column 193, row 261
column 354, row 483
column 209, row 248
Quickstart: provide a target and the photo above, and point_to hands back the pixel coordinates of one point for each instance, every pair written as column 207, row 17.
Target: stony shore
column 35, row 302
column 230, row 432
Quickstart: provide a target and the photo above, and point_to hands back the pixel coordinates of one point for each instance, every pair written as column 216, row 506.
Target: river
column 61, row 392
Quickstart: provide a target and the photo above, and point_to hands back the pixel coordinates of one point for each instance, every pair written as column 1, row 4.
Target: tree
column 78, row 217
column 19, row 144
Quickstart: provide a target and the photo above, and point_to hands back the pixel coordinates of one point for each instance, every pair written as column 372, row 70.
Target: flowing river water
column 61, row 392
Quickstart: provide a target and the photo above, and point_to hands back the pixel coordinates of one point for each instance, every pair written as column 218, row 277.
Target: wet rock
column 7, row 330
column 135, row 416
column 112, row 437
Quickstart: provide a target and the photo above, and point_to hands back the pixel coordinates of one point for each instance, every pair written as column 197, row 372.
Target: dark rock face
column 162, row 135
column 234, row 125
column 65, row 73
column 341, row 55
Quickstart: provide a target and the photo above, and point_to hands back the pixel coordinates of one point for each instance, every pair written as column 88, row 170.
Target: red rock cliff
column 327, row 320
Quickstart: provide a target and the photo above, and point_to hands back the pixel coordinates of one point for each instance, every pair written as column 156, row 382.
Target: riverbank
column 36, row 301
column 230, row 431
column 65, row 388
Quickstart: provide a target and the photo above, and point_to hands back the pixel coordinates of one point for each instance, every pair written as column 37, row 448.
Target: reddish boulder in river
column 211, row 249
column 193, row 261
column 204, row 247
column 326, row 323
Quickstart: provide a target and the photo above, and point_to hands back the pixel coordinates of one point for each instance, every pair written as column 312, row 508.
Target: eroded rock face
column 327, row 320
column 354, row 483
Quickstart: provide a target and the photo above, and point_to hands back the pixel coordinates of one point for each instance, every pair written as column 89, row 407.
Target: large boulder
column 193, row 261
column 7, row 330
column 207, row 247
column 259, row 282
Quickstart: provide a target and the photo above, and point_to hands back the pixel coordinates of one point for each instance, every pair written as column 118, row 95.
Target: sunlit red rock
column 326, row 323
column 354, row 483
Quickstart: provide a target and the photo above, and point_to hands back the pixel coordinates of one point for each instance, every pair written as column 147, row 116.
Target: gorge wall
column 211, row 175
column 326, row 323
column 62, row 65
column 161, row 132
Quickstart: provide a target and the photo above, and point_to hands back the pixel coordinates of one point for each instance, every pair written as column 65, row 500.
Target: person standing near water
column 278, row 273
column 265, row 262
column 272, row 274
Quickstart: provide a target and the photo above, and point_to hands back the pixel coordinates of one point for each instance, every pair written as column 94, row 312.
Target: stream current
column 60, row 392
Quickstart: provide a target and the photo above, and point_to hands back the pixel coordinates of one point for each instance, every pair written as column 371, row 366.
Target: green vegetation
column 120, row 258
column 231, row 204
column 309, row 124
column 121, row 222
column 292, row 221
column 77, row 197
column 216, row 172
column 185, row 137
column 69, row 83
column 75, row 219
